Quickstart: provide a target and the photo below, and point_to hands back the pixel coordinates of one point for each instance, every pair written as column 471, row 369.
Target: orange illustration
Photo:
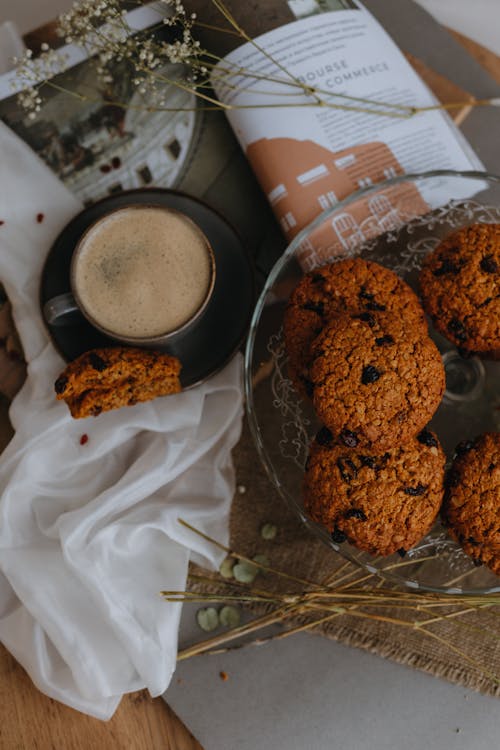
column 302, row 178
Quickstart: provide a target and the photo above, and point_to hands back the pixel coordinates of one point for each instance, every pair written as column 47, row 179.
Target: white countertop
column 325, row 695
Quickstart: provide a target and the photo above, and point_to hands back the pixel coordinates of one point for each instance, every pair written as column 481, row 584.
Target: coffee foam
column 143, row 272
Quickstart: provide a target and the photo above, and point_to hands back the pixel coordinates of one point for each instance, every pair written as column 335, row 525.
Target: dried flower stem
column 242, row 630
column 295, row 83
column 336, row 597
column 276, row 636
column 456, row 105
column 232, row 21
column 102, row 30
column 230, row 552
column 307, row 89
column 493, row 677
column 282, row 614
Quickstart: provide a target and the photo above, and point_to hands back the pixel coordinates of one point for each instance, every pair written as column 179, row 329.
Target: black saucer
column 210, row 343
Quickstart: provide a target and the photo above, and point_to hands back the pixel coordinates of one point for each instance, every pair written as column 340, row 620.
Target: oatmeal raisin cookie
column 460, row 287
column 471, row 509
column 352, row 285
column 108, row 378
column 379, row 503
column 374, row 383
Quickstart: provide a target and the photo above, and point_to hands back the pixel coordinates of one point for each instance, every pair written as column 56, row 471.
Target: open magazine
column 308, row 158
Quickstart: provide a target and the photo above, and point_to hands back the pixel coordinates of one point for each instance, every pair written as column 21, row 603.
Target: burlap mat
column 295, row 551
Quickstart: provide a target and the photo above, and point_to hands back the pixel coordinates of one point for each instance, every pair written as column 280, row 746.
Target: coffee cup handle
column 61, row 310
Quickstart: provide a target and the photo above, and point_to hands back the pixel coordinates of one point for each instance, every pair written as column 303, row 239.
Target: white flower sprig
column 102, row 29
column 32, row 71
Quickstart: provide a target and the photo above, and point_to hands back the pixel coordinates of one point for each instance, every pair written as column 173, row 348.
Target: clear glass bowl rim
column 249, row 348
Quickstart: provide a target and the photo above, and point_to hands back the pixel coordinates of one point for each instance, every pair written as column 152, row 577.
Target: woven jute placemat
column 458, row 650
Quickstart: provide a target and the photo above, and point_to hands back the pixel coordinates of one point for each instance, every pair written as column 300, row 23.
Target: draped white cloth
column 89, row 534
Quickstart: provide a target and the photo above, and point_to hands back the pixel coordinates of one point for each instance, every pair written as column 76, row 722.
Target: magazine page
column 351, row 131
column 94, row 146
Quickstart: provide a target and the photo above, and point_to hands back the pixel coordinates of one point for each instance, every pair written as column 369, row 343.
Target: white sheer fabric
column 89, row 534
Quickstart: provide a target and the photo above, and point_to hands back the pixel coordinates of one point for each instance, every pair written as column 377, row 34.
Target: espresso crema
column 143, row 272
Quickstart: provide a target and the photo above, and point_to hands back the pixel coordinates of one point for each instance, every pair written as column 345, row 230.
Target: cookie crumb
column 224, row 676
column 40, row 218
column 84, row 439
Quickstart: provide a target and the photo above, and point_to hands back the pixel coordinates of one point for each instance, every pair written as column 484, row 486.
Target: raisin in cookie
column 379, row 503
column 460, row 287
column 375, row 382
column 353, row 285
column 108, row 378
column 471, row 509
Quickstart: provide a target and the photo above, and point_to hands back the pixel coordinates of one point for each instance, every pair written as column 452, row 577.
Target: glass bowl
column 395, row 223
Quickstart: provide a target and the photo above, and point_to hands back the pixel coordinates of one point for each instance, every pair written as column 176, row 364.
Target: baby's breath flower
column 30, row 101
column 101, row 28
column 33, row 72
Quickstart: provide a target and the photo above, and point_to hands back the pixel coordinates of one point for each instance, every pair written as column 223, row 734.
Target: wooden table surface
column 29, row 720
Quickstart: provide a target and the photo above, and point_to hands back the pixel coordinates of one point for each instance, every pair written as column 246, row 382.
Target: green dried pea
column 207, row 619
column 268, row 531
column 230, row 616
column 226, row 567
column 245, row 572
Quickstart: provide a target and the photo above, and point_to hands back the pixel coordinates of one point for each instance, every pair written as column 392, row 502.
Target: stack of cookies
column 358, row 347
